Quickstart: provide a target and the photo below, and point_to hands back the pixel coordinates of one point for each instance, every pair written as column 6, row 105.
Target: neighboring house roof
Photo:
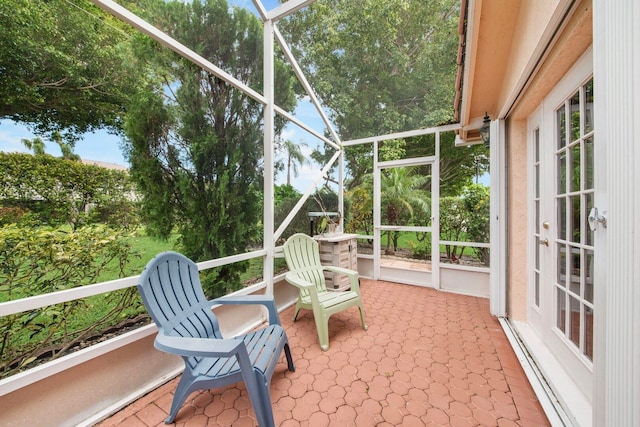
column 105, row 165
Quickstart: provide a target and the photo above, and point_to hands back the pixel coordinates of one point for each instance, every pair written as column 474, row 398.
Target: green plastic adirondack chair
column 306, row 273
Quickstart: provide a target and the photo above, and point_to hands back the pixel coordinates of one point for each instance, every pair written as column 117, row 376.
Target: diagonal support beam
column 303, row 199
column 153, row 32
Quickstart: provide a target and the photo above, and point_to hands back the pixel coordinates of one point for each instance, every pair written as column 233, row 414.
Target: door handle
column 544, row 242
column 595, row 217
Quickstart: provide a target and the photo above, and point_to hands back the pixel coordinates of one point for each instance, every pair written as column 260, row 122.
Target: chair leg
column 364, row 325
column 287, row 353
column 322, row 326
column 295, row 314
column 261, row 399
column 179, row 396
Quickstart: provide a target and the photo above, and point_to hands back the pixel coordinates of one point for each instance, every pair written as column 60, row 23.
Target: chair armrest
column 266, row 300
column 199, row 347
column 298, row 281
column 340, row 270
column 353, row 276
column 210, row 347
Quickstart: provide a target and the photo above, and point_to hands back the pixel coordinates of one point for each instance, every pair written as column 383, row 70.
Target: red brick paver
column 428, row 358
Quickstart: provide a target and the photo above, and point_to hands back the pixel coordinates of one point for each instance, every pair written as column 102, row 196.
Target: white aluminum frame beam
column 288, row 8
column 399, row 135
column 162, row 38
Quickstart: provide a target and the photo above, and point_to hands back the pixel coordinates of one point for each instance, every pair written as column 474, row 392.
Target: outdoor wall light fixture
column 484, row 130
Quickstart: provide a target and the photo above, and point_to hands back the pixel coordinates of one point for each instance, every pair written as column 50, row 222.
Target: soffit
column 506, row 42
column 490, row 30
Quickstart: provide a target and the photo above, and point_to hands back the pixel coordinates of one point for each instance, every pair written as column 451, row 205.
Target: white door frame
column 498, row 219
column 435, row 215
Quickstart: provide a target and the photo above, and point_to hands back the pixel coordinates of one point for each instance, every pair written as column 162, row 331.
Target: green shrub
column 420, row 249
column 477, row 210
column 36, row 261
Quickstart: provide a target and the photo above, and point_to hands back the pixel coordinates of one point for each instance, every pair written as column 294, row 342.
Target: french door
column 561, row 139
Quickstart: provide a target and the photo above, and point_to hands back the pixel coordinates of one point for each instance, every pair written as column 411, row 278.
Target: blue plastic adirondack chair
column 171, row 291
column 302, row 255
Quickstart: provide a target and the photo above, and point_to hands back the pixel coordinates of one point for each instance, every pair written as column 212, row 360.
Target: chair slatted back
column 172, row 293
column 302, row 254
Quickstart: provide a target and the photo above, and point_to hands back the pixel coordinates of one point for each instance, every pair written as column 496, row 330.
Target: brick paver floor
column 428, row 358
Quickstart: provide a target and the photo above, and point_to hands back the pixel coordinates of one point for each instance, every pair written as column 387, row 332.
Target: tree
column 294, row 157
column 401, row 191
column 35, row 144
column 458, row 165
column 453, row 222
column 65, row 66
column 360, row 215
column 284, row 192
column 379, row 67
column 65, row 147
column 194, row 141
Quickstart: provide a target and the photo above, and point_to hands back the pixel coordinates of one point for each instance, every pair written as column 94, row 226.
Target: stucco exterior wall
column 575, row 38
column 532, row 19
column 517, row 242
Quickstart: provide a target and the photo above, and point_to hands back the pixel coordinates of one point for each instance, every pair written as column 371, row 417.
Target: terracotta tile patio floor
column 428, row 358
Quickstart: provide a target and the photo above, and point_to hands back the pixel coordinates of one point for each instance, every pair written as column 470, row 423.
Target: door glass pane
column 588, row 106
column 588, row 332
column 574, row 283
column 562, row 129
column 588, row 279
column 536, row 144
column 562, row 172
column 588, row 163
column 560, row 312
column 562, row 265
column 536, row 295
column 588, row 205
column 574, row 105
column 575, row 217
column 536, row 284
column 562, row 218
column 575, row 175
column 574, row 321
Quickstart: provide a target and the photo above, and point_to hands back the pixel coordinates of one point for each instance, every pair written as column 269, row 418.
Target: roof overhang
column 486, row 30
column 502, row 45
